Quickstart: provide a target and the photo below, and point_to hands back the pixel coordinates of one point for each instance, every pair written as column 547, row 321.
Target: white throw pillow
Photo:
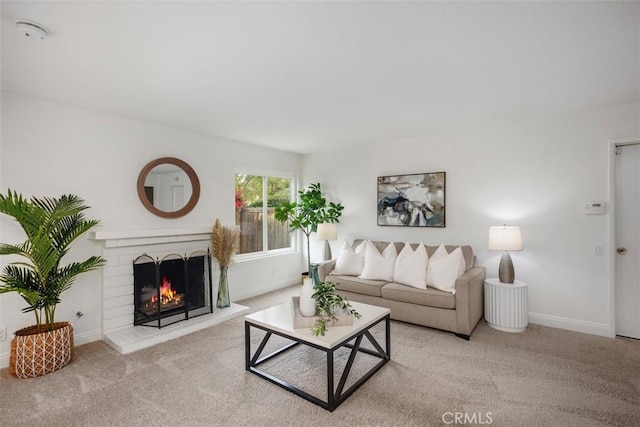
column 350, row 262
column 411, row 267
column 379, row 266
column 443, row 269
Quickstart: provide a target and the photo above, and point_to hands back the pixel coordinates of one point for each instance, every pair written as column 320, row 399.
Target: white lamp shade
column 505, row 239
column 327, row 231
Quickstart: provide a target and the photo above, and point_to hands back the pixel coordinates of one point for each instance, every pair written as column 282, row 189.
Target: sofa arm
column 470, row 299
column 325, row 267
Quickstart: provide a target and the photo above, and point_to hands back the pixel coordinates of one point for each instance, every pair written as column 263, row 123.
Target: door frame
column 613, row 143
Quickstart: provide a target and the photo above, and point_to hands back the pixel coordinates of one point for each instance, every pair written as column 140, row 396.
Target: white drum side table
column 505, row 305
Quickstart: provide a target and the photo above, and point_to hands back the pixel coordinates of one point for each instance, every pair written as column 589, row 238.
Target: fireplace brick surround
column 120, row 248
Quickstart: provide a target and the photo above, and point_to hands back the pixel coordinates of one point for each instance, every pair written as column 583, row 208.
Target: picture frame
column 412, row 200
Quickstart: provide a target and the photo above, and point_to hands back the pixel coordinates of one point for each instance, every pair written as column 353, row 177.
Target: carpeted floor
column 542, row 377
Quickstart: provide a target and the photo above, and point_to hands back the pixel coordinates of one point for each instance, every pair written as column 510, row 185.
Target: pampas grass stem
column 226, row 243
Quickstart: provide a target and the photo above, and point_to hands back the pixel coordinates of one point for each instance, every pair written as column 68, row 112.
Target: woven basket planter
column 34, row 354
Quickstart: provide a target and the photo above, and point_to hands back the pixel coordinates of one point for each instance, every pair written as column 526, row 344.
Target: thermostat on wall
column 595, row 208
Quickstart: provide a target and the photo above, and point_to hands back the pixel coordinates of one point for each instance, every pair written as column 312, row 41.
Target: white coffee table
column 278, row 320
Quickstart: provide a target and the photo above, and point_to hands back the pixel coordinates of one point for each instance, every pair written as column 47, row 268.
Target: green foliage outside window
column 249, row 189
column 259, row 229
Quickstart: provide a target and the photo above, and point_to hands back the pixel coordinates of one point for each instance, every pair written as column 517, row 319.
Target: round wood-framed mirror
column 168, row 187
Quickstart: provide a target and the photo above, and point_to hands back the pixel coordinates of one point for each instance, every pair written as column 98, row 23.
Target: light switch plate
column 595, row 208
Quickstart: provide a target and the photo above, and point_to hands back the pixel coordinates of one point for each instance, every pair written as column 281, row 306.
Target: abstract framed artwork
column 416, row 200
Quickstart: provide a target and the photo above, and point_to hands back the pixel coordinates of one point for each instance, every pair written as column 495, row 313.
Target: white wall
column 49, row 149
column 533, row 173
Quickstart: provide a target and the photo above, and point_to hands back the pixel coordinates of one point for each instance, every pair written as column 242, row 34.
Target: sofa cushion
column 411, row 266
column 467, row 251
column 430, row 297
column 444, row 268
column 356, row 285
column 379, row 265
column 350, row 259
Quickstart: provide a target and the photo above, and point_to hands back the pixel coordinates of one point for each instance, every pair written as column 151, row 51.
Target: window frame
column 295, row 236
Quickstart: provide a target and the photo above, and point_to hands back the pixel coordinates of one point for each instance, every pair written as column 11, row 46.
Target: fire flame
column 167, row 294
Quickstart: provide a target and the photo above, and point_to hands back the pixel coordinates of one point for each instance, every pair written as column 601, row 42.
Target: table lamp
column 327, row 231
column 505, row 239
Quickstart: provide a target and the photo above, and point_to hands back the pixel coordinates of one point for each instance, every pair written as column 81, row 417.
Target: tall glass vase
column 223, row 289
column 313, row 274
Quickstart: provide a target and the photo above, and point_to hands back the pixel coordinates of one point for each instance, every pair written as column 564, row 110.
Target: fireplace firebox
column 171, row 289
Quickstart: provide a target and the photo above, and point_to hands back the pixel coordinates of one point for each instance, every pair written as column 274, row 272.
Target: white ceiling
column 309, row 76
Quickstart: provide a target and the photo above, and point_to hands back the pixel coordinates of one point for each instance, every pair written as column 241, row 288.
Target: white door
column 177, row 197
column 627, row 240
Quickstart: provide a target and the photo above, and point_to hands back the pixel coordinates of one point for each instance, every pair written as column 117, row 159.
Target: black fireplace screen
column 171, row 289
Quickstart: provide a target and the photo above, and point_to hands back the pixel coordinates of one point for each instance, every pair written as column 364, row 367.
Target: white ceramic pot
column 307, row 302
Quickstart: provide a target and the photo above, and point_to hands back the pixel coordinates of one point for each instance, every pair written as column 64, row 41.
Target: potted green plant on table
column 311, row 210
column 51, row 225
column 327, row 303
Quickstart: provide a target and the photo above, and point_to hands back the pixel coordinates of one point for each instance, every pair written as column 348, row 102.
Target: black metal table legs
column 335, row 395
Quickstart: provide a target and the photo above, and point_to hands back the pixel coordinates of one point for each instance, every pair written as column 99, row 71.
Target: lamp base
column 505, row 270
column 327, row 251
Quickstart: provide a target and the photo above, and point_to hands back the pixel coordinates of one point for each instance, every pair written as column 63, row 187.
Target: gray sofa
column 458, row 313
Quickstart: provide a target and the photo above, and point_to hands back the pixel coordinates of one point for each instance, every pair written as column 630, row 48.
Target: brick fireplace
column 120, row 249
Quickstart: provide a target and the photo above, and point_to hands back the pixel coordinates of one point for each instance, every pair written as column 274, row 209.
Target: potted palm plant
column 51, row 225
column 311, row 210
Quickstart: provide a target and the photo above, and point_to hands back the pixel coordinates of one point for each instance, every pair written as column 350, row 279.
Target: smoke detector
column 31, row 29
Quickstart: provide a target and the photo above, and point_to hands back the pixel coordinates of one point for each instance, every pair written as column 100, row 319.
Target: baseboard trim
column 4, row 361
column 575, row 325
column 271, row 286
column 87, row 337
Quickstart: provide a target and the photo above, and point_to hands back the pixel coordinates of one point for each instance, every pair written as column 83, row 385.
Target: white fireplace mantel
column 153, row 236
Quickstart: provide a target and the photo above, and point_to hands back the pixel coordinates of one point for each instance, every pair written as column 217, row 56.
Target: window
column 258, row 227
